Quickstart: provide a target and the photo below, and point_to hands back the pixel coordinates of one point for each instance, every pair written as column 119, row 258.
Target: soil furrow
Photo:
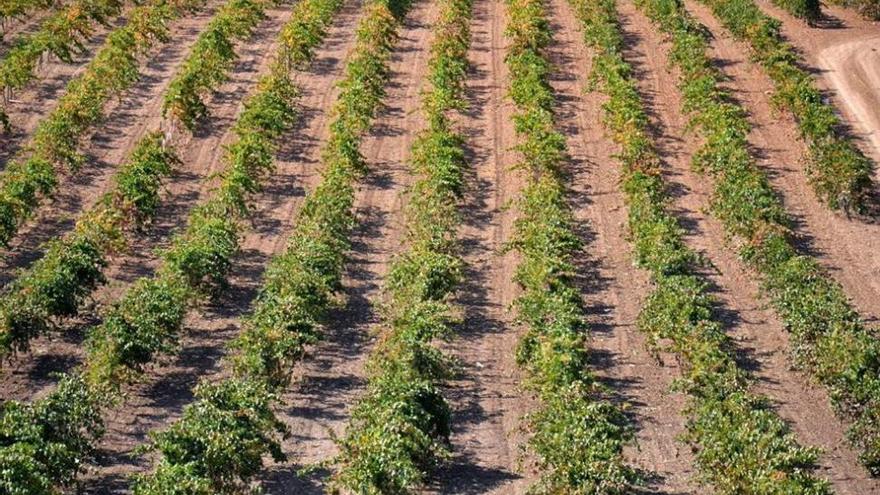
column 160, row 399
column 487, row 400
column 30, row 105
column 761, row 340
column 614, row 288
column 328, row 381
column 849, row 249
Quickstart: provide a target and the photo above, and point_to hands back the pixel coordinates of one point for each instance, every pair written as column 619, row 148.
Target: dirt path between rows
column 614, row 287
column 841, row 52
column 760, row 338
column 30, row 105
column 329, row 381
column 160, row 399
column 487, row 401
column 128, row 119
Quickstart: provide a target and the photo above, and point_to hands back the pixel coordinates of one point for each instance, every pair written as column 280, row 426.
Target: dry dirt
column 854, row 71
column 487, row 398
column 329, row 381
column 28, row 106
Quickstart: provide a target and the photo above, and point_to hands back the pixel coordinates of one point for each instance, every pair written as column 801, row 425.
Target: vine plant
column 741, row 444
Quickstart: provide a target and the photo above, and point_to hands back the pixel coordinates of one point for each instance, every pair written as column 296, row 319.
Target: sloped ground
column 487, row 397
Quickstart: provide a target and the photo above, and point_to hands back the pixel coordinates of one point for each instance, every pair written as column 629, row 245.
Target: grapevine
column 829, row 338
column 575, row 412
column 741, row 444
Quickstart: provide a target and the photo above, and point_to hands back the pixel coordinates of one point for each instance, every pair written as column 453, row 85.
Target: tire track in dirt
column 848, row 249
column 761, row 341
column 614, row 287
column 839, row 26
column 165, row 391
column 488, row 403
column 330, row 380
column 853, row 68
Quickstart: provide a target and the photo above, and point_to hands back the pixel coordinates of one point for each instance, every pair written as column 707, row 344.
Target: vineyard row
column 829, row 338
column 578, row 434
column 400, row 429
column 298, row 287
column 741, row 444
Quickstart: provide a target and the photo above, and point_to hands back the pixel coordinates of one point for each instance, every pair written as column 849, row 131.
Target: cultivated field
column 439, row 246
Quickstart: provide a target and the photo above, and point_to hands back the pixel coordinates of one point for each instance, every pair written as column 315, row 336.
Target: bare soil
column 487, row 398
column 328, row 382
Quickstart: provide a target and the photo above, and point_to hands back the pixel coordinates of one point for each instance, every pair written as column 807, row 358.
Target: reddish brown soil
column 853, row 68
column 28, row 106
column 487, row 398
column 330, row 381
